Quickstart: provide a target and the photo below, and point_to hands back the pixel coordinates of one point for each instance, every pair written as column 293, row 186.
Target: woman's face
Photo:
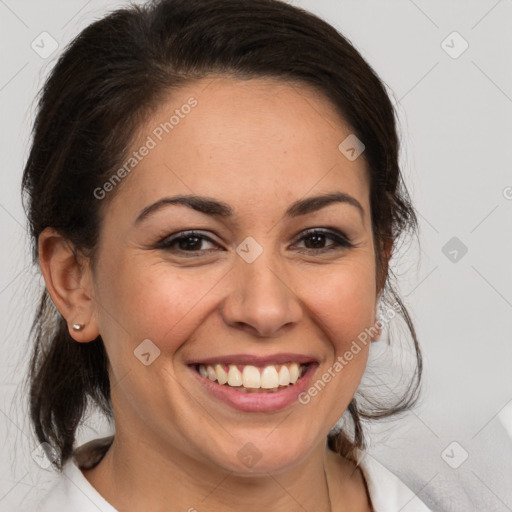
column 265, row 281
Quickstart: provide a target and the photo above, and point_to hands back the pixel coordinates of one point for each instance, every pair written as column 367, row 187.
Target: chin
column 274, row 453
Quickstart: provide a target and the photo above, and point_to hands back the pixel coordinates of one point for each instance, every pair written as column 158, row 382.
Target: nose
column 261, row 300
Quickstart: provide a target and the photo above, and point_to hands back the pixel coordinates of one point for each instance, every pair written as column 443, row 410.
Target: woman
column 214, row 196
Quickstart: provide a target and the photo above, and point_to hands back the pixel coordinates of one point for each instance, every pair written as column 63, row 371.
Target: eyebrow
column 216, row 208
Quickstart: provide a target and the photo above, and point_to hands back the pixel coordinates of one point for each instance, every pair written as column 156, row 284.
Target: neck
column 139, row 475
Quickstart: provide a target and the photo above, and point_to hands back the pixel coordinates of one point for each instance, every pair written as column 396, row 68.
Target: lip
column 256, row 402
column 255, row 360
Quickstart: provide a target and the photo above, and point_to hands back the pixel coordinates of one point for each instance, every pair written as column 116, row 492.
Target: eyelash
column 339, row 239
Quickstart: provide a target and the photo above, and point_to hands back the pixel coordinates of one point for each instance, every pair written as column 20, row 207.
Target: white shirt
column 73, row 492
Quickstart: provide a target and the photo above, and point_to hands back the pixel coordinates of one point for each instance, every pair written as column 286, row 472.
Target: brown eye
column 190, row 243
column 317, row 240
column 186, row 241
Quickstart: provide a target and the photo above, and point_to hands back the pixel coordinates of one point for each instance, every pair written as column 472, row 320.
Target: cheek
column 150, row 299
column 143, row 297
column 344, row 302
column 344, row 309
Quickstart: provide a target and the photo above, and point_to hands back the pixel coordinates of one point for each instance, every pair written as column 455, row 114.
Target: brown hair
column 102, row 88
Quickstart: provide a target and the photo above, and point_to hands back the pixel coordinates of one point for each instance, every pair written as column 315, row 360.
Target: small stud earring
column 78, row 327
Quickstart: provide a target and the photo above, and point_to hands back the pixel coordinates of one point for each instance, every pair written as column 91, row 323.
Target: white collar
column 387, row 492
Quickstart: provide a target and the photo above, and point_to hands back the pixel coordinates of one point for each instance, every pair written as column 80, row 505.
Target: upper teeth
column 251, row 376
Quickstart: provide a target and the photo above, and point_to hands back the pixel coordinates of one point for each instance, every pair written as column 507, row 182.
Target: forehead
column 250, row 142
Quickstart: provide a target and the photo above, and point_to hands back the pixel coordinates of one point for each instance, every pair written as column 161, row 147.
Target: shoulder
column 72, row 491
column 387, row 492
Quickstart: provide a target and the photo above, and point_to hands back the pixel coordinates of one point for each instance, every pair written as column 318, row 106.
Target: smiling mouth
column 253, row 379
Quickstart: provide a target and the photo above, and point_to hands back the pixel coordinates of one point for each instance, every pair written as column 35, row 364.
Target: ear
column 69, row 283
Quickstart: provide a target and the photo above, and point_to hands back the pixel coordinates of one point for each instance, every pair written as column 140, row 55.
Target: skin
column 257, row 145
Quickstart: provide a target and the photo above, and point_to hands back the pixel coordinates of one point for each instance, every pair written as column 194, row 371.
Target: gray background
column 455, row 121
